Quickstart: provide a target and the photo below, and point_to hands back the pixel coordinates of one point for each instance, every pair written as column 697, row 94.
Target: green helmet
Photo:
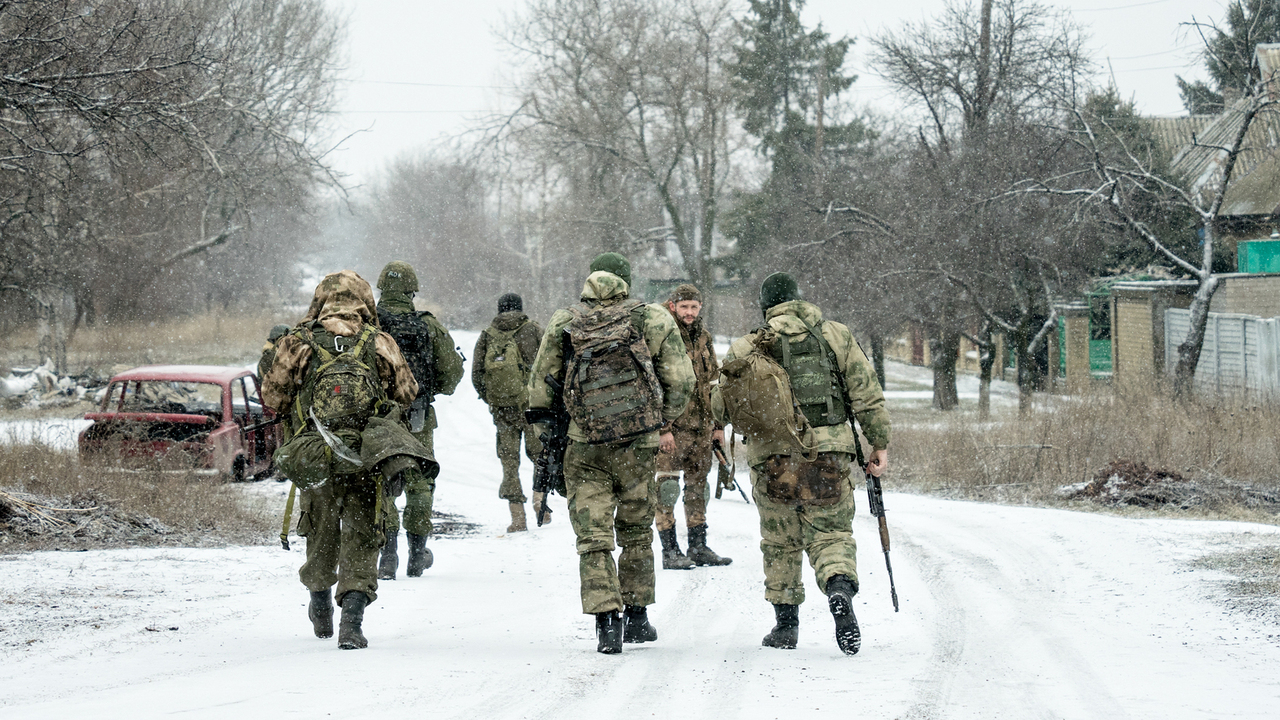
column 398, row 276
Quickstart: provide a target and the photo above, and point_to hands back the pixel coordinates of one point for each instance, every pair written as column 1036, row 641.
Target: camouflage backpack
column 611, row 390
column 816, row 382
column 413, row 335
column 342, row 388
column 758, row 397
column 505, row 372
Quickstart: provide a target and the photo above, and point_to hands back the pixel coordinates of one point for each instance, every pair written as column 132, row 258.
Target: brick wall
column 1248, row 295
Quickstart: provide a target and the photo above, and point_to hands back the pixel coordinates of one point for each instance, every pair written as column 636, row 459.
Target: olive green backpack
column 505, row 372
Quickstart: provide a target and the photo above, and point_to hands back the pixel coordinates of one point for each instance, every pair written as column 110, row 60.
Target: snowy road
column 1006, row 613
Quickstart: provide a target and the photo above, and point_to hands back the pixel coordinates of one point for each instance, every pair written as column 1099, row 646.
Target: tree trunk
column 986, row 365
column 877, row 356
column 1189, row 351
column 1021, row 339
column 944, row 347
column 51, row 327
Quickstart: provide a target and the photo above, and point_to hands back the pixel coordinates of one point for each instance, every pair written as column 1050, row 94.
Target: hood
column 604, row 287
column 343, row 302
column 787, row 317
column 509, row 320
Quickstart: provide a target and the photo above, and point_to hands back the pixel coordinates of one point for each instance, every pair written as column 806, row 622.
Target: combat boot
column 540, row 499
column 786, row 632
column 672, row 558
column 840, row 592
column 699, row 553
column 420, row 557
column 518, row 521
column 320, row 612
column 390, row 560
column 609, row 632
column 350, row 635
column 636, row 627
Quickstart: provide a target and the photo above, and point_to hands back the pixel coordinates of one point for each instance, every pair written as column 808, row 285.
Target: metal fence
column 1240, row 356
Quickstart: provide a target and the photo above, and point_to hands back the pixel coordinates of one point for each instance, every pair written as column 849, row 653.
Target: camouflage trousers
column 825, row 533
column 510, row 425
column 693, row 456
column 419, row 494
column 611, row 496
column 339, row 520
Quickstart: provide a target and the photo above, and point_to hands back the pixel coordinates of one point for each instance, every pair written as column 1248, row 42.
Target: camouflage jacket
column 527, row 339
column 670, row 359
column 863, row 392
column 706, row 371
column 343, row 305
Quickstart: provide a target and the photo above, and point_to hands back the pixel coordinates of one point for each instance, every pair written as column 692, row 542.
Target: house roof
column 1199, row 163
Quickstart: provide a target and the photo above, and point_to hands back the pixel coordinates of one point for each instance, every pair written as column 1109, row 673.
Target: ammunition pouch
column 792, row 480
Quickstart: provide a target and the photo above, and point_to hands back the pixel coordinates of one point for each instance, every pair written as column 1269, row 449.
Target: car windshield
column 167, row 396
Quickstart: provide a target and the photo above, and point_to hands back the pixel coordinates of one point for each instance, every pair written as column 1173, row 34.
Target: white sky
column 420, row 70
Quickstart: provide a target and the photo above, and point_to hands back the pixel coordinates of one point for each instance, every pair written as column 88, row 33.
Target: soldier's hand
column 878, row 462
column 717, row 436
column 667, row 442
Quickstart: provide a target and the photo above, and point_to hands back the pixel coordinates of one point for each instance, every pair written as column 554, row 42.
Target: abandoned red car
column 183, row 417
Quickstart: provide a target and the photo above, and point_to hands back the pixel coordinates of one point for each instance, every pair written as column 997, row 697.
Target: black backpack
column 413, row 335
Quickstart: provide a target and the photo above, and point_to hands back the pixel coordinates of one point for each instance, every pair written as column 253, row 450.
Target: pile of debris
column 85, row 519
column 1128, row 482
column 38, row 386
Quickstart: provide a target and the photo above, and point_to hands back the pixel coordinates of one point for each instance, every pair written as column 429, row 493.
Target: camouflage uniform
column 824, row 532
column 419, row 493
column 692, row 432
column 509, row 420
column 339, row 517
column 611, row 487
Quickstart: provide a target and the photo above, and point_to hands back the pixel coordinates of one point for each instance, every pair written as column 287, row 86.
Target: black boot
column 636, row 627
column 420, row 557
column 699, row 553
column 609, row 632
column 350, row 636
column 389, row 561
column 840, row 592
column 786, row 632
column 320, row 611
column 672, row 558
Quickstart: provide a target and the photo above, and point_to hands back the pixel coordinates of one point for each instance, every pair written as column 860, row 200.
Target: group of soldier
column 631, row 435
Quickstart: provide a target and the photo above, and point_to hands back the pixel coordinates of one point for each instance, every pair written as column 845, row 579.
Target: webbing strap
column 288, row 517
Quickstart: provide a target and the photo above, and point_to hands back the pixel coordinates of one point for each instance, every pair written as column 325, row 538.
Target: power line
column 1122, row 7
column 424, row 84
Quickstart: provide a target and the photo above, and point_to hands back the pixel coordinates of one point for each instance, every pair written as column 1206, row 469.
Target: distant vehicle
column 184, row 417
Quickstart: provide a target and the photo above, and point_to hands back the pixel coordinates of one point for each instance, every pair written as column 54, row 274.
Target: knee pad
column 668, row 489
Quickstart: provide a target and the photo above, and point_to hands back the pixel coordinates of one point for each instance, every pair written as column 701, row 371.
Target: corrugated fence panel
column 1240, row 355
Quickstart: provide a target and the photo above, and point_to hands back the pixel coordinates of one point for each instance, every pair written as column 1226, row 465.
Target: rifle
column 875, row 501
column 725, row 479
column 548, row 469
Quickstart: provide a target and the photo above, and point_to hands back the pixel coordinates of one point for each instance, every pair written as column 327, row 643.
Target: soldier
column 685, row 444
column 624, row 372
column 269, row 350
column 500, row 373
column 804, row 494
column 338, row 380
column 437, row 366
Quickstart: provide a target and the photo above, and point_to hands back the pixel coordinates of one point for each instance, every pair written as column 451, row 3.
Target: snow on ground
column 1007, row 612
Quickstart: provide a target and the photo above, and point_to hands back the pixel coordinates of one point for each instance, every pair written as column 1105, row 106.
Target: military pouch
column 792, row 480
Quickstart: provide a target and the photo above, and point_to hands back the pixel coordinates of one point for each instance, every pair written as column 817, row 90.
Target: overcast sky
column 421, row 70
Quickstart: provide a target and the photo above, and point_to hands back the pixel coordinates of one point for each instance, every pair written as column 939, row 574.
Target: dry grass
column 1027, row 459
column 214, row 338
column 193, row 510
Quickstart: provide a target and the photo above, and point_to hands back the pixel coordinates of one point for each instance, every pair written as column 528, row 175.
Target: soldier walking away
column 685, row 444
column 343, row 385
column 500, row 373
column 624, row 372
column 429, row 350
column 801, row 458
column 269, row 349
